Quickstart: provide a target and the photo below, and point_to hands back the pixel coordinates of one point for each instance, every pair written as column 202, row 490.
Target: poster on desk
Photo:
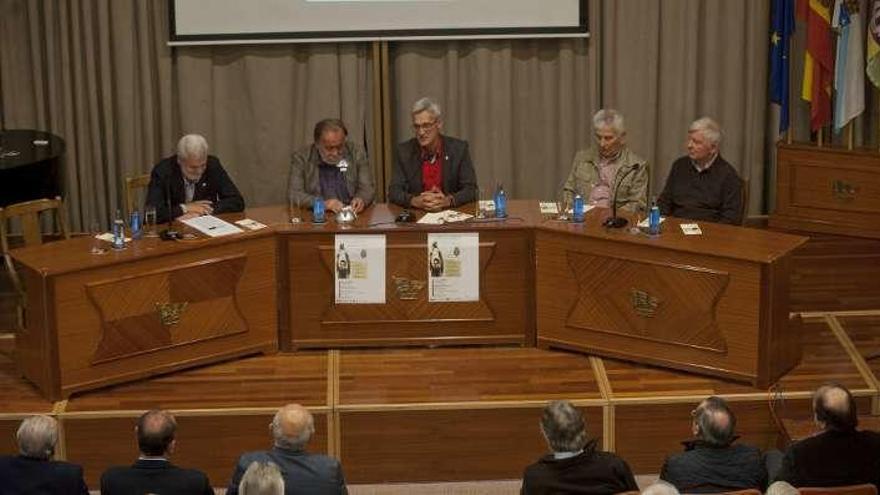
column 359, row 269
column 453, row 267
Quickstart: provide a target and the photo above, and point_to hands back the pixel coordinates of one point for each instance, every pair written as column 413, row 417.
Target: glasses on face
column 427, row 126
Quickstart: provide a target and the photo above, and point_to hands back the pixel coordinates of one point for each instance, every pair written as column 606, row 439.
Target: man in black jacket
column 711, row 461
column 33, row 471
column 153, row 472
column 191, row 183
column 432, row 171
column 839, row 454
column 574, row 465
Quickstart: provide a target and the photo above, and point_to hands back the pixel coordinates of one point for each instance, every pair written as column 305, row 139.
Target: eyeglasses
column 427, row 126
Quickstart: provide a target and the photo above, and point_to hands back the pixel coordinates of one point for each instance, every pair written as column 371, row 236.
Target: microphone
column 169, row 234
column 614, row 221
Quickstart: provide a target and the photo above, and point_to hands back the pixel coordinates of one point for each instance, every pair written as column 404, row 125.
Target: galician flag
column 849, row 78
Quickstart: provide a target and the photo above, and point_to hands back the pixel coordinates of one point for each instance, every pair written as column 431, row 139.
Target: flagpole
column 850, row 135
column 819, row 136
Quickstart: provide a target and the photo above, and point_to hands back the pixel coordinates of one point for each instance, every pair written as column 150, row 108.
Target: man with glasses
column 332, row 168
column 191, row 184
column 432, row 171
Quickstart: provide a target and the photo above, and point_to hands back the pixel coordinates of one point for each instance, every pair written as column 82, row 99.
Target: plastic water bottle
column 654, row 219
column 318, row 210
column 134, row 224
column 577, row 209
column 500, row 202
column 118, row 231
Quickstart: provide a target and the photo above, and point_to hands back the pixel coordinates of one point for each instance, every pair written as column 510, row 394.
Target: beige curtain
column 668, row 62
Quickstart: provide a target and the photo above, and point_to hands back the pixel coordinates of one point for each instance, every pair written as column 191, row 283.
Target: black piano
column 30, row 165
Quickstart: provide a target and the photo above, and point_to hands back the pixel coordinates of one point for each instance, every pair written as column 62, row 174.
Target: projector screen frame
column 579, row 31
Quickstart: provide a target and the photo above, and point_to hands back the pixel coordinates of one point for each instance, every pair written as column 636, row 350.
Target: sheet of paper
column 644, row 223
column 360, row 269
column 691, row 229
column 212, row 226
column 251, row 224
column 108, row 237
column 453, row 267
column 548, row 208
column 441, row 217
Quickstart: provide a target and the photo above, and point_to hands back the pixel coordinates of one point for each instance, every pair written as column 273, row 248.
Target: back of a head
column 715, row 421
column 293, row 427
column 781, row 488
column 155, row 432
column 262, row 479
column 37, row 436
column 660, row 487
column 835, row 408
column 563, row 427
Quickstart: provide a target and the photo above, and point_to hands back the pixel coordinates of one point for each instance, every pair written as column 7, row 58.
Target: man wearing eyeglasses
column 332, row 168
column 432, row 171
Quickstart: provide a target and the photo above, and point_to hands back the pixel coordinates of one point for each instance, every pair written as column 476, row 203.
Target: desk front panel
column 115, row 323
column 649, row 304
column 502, row 315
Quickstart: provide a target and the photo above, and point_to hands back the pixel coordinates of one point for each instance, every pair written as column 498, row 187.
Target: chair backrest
column 865, row 489
column 132, row 186
column 28, row 214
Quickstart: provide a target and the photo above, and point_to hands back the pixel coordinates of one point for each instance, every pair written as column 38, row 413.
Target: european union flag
column 782, row 28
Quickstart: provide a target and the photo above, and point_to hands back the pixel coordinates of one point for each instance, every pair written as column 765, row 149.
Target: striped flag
column 849, row 78
column 818, row 61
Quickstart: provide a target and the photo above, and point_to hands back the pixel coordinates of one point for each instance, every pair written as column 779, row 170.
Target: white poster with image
column 453, row 267
column 359, row 269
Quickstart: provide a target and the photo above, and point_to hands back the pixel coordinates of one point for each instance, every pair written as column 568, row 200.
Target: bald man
column 838, row 455
column 292, row 428
column 711, row 461
column 153, row 472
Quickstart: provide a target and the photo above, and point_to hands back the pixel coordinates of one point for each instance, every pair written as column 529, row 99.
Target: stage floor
column 449, row 414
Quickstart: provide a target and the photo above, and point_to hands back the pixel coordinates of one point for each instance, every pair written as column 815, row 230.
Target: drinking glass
column 150, row 222
column 96, row 246
column 563, row 204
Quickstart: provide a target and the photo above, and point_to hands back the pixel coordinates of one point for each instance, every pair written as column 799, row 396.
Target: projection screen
column 277, row 21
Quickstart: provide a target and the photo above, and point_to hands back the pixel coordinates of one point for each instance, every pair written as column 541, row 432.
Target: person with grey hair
column 261, row 478
column 191, row 183
column 432, row 171
column 660, row 488
column 702, row 185
column 607, row 166
column 303, row 472
column 840, row 454
column 712, row 462
column 574, row 464
column 332, row 168
column 34, row 471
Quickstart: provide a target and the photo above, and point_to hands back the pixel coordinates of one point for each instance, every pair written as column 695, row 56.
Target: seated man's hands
column 201, row 207
column 357, row 204
column 333, row 205
column 433, row 200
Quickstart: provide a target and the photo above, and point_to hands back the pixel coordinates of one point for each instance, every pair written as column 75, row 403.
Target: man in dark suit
column 574, row 465
column 153, row 472
column 839, row 454
column 432, row 171
column 192, row 183
column 315, row 474
column 711, row 461
column 33, row 472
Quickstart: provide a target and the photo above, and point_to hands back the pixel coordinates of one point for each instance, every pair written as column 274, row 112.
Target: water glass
column 96, row 246
column 150, row 222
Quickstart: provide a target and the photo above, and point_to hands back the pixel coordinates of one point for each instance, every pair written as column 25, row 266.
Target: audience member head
column 192, row 156
column 155, row 433
column 37, row 436
column 704, row 140
column 714, row 422
column 427, row 122
column 834, row 408
column 609, row 132
column 262, row 479
column 330, row 136
column 292, row 427
column 781, row 488
column 563, row 427
column 660, row 487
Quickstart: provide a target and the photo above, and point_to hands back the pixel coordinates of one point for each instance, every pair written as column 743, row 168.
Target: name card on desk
column 212, row 226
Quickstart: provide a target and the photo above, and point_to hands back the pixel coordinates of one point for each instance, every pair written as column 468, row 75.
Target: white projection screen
column 278, row 21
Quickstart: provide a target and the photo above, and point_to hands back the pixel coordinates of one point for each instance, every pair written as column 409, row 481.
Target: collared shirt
column 152, row 458
column 333, row 184
column 189, row 187
column 432, row 168
column 600, row 194
column 701, row 168
column 566, row 455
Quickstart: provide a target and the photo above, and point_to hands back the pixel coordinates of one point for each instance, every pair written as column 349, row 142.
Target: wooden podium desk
column 154, row 307
column 504, row 313
column 714, row 304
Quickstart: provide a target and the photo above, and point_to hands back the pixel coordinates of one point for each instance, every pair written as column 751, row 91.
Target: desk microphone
column 614, row 221
column 169, row 234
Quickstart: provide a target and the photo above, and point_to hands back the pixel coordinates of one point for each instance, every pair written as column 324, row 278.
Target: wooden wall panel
column 8, row 427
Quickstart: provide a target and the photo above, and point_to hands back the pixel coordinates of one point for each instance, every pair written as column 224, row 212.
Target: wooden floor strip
column 819, row 315
column 602, row 377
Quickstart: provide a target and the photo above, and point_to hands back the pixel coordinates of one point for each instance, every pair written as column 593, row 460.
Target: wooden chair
column 28, row 213
column 132, row 186
column 866, row 489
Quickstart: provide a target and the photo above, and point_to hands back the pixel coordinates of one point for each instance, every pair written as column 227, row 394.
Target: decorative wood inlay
column 409, row 262
column 130, row 307
column 613, row 293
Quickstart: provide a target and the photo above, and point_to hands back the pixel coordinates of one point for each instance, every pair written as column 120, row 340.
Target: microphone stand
column 169, row 234
column 614, row 221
